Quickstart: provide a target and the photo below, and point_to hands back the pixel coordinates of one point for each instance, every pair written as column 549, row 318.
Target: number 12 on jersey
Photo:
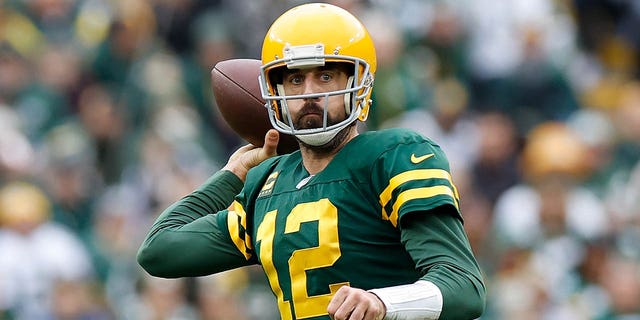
column 324, row 255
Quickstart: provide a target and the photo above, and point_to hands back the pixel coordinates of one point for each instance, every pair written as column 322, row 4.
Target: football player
column 351, row 226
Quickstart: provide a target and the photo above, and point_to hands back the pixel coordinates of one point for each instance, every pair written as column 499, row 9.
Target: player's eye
column 295, row 79
column 326, row 76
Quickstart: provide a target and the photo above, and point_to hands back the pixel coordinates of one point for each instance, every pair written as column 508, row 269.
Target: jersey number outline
column 324, row 255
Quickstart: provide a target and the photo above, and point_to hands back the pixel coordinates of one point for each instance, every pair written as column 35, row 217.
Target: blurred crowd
column 107, row 117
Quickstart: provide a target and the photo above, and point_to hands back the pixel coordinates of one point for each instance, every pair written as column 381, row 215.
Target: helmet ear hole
column 348, row 97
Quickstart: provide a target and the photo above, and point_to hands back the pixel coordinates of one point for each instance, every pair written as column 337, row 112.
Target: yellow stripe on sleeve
column 419, row 193
column 413, row 175
column 237, row 218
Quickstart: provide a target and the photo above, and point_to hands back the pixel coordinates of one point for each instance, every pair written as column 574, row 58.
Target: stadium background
column 106, row 117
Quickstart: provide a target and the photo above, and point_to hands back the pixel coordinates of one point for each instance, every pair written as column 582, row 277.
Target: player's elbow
column 152, row 261
column 465, row 302
column 147, row 260
column 478, row 303
column 463, row 292
column 473, row 307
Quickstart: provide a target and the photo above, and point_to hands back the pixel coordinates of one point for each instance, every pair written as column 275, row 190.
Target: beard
column 311, row 117
column 333, row 144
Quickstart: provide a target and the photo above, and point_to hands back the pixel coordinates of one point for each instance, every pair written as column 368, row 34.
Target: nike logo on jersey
column 419, row 159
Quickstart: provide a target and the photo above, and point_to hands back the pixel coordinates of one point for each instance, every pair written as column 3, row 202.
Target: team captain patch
column 268, row 185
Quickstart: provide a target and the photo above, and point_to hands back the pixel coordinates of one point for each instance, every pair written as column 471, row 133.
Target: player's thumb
column 270, row 146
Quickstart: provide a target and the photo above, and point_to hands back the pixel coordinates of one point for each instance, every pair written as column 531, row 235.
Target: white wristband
column 416, row 301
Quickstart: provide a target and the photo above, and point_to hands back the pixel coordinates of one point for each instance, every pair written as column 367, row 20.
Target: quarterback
column 350, row 226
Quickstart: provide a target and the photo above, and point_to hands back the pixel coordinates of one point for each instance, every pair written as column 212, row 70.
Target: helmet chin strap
column 320, row 138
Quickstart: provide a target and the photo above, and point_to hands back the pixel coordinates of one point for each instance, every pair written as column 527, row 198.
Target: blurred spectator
column 545, row 221
column 607, row 29
column 177, row 21
column 54, row 18
column 626, row 117
column 397, row 80
column 447, row 122
column 118, row 58
column 17, row 154
column 445, row 35
column 79, row 300
column 106, row 130
column 497, row 29
column 46, row 102
column 14, row 74
column 494, row 171
column 37, row 254
column 69, row 174
column 550, row 202
column 496, row 167
column 627, row 216
column 537, row 90
column 172, row 160
column 213, row 43
column 235, row 294
column 17, row 31
column 160, row 299
column 219, row 296
column 620, row 279
column 119, row 213
column 596, row 130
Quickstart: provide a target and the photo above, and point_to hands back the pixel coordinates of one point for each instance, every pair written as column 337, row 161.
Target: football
column 237, row 94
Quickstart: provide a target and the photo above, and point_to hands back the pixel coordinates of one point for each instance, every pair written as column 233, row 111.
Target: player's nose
column 309, row 86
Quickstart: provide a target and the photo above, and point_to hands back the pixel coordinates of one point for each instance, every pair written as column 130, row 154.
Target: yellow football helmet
column 308, row 36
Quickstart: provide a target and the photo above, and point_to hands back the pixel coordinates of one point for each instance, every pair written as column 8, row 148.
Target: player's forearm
column 463, row 294
column 184, row 231
column 214, row 195
column 437, row 243
column 446, row 294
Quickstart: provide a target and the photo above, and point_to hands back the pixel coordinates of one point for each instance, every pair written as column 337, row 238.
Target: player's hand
column 249, row 156
column 355, row 304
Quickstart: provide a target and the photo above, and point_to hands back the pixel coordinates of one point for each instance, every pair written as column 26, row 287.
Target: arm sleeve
column 187, row 239
column 439, row 246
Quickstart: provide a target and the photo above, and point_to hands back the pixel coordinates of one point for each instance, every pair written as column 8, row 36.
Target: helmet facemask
column 356, row 94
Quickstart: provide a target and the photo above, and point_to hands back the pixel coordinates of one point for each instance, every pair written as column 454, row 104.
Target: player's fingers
column 271, row 139
column 240, row 151
column 358, row 312
column 254, row 155
column 345, row 304
column 337, row 301
column 373, row 314
column 376, row 309
column 358, row 306
column 344, row 313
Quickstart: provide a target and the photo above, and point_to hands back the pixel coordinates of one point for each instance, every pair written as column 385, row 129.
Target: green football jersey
column 314, row 234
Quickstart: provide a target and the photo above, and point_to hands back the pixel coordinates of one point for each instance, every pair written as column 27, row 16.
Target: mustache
column 311, row 107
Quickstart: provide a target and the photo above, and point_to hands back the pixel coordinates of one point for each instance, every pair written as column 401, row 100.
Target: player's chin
column 309, row 121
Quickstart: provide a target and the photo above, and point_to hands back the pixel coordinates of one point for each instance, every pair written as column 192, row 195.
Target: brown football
column 237, row 93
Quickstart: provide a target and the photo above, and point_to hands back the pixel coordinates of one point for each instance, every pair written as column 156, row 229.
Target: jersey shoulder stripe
column 447, row 189
column 412, row 172
column 237, row 224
